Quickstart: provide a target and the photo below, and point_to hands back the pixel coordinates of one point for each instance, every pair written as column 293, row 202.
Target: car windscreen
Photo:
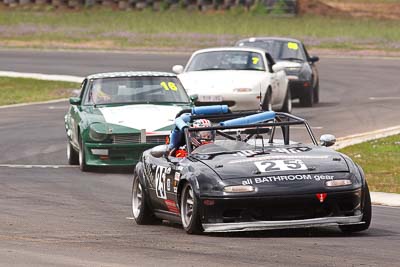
column 136, row 90
column 278, row 49
column 248, row 139
column 227, row 60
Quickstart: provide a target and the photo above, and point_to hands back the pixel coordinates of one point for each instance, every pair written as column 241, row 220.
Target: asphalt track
column 54, row 215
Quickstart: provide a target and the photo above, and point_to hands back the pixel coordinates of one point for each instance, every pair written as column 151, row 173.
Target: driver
column 100, row 95
column 198, row 138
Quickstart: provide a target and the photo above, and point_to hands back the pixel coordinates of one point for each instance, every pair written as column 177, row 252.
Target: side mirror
column 314, row 59
column 327, row 140
column 194, row 98
column 159, row 151
column 75, row 100
column 282, row 65
column 278, row 67
column 178, row 69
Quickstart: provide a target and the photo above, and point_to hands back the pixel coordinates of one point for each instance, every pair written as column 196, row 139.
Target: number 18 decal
column 280, row 165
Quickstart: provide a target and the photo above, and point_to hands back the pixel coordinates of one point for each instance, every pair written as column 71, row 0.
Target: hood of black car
column 282, row 160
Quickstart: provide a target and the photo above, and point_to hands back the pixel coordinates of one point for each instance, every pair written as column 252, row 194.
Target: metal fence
column 267, row 6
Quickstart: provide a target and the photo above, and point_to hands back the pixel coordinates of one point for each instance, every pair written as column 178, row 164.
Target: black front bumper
column 299, row 88
column 277, row 212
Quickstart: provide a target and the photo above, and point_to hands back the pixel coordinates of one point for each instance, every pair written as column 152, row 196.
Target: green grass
column 179, row 29
column 21, row 90
column 380, row 160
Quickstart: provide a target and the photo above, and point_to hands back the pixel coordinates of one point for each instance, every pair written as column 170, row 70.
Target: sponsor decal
column 280, row 165
column 160, row 177
column 286, row 178
column 177, row 177
column 168, row 185
column 171, row 205
column 291, row 150
column 274, row 157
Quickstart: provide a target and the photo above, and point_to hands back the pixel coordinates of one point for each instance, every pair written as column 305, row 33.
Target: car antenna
column 260, row 99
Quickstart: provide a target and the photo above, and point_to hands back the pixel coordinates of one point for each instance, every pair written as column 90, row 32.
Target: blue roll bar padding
column 251, row 119
column 210, row 110
column 176, row 135
column 181, row 121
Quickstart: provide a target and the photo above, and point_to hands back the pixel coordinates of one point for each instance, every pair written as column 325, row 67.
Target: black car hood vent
column 276, row 161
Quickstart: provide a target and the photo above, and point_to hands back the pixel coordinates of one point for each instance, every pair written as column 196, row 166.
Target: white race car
column 242, row 78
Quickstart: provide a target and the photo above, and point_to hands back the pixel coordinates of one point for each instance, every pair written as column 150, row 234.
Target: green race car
column 119, row 115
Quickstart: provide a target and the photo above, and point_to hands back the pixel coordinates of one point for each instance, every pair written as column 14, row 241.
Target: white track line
column 35, row 103
column 30, row 166
column 41, row 76
column 350, row 140
column 377, row 98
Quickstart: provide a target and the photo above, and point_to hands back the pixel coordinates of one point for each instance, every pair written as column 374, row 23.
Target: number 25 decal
column 160, row 177
column 169, row 86
column 280, row 165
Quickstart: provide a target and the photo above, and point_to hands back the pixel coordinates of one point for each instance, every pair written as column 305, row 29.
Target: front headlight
column 342, row 182
column 239, row 189
column 97, row 132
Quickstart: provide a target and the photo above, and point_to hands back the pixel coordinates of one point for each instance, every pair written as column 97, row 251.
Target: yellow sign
column 255, row 60
column 293, row 46
column 169, row 86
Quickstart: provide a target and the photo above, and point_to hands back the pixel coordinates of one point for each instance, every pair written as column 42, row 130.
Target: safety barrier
column 277, row 7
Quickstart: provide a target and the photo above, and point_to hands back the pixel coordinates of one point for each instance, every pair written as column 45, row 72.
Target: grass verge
column 98, row 28
column 380, row 160
column 22, row 90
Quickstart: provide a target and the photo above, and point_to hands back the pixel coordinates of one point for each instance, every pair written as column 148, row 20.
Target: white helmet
column 202, row 137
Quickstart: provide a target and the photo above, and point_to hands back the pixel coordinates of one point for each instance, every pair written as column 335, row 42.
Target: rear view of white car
column 242, row 78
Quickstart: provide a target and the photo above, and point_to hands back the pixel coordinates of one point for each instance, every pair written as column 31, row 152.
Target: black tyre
column 366, row 218
column 307, row 99
column 82, row 157
column 287, row 103
column 266, row 104
column 316, row 93
column 190, row 211
column 140, row 209
column 72, row 155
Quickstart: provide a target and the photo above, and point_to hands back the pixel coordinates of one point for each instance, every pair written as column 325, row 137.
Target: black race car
column 251, row 177
column 304, row 79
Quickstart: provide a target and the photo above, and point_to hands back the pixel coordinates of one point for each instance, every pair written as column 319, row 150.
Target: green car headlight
column 98, row 132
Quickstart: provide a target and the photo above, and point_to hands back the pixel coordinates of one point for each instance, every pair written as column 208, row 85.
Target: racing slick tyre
column 82, row 157
column 287, row 103
column 190, row 211
column 72, row 155
column 266, row 104
column 307, row 99
column 366, row 218
column 316, row 93
column 140, row 209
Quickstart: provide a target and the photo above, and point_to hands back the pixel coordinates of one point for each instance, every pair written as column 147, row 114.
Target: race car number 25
column 280, row 165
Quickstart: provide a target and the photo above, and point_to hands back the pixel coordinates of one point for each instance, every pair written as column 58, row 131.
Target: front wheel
column 266, row 104
column 72, row 155
column 307, row 99
column 366, row 218
column 82, row 157
column 287, row 103
column 140, row 209
column 190, row 211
